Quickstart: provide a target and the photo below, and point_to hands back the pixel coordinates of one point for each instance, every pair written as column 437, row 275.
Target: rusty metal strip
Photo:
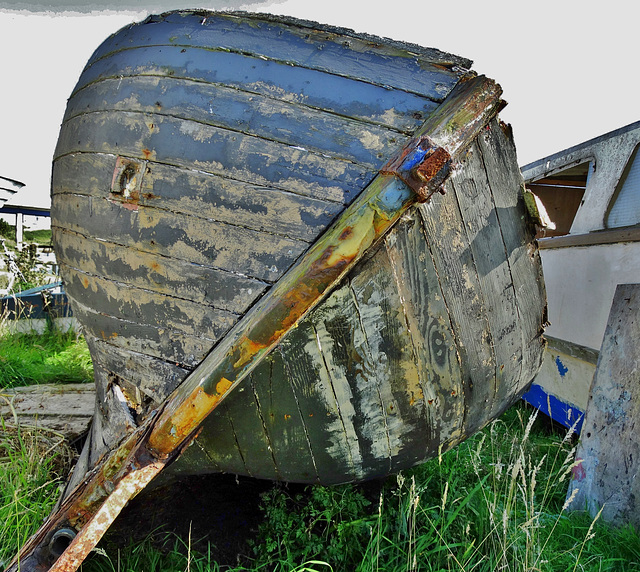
column 412, row 177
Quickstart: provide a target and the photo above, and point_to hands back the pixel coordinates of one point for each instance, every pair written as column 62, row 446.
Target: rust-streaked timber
column 423, row 164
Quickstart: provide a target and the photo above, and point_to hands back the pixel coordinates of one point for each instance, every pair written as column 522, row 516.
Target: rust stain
column 147, row 153
column 223, row 386
column 246, row 350
column 85, row 282
column 196, row 406
column 130, row 205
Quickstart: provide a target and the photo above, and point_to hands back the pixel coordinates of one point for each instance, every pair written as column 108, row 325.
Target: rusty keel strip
column 413, row 176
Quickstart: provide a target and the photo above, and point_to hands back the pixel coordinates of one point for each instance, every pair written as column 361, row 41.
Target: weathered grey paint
column 191, row 174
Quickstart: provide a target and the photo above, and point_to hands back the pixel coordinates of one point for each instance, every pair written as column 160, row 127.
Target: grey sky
column 566, row 66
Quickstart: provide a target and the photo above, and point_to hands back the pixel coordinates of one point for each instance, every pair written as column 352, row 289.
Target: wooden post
column 609, row 475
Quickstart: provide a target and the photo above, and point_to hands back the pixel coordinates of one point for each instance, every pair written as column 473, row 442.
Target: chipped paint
column 381, row 204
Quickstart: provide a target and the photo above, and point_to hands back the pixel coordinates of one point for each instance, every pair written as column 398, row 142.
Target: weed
column 32, row 463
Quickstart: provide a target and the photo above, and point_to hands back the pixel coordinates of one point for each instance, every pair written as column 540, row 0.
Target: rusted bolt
column 127, row 178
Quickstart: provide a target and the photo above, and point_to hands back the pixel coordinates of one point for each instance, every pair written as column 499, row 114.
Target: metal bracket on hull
column 413, row 176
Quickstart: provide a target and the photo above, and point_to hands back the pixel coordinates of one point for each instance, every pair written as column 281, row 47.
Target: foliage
column 495, row 502
column 7, row 230
column 51, row 357
column 32, row 462
column 32, row 274
column 330, row 521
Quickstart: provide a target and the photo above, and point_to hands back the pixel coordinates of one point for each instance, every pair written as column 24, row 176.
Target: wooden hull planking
column 242, row 138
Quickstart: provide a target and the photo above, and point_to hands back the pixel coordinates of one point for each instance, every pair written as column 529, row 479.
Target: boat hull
column 200, row 156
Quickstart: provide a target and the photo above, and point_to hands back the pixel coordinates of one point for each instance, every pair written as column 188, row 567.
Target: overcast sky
column 567, row 67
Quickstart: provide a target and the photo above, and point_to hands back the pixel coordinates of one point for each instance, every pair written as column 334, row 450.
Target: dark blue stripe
column 552, row 406
column 313, row 88
column 406, row 69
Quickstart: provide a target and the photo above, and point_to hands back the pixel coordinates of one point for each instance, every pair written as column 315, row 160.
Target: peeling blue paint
column 562, row 369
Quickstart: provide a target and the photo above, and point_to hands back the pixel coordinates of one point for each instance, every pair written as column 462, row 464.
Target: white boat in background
column 592, row 194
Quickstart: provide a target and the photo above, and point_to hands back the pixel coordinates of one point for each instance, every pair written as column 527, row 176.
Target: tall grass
column 32, row 463
column 51, row 357
column 495, row 503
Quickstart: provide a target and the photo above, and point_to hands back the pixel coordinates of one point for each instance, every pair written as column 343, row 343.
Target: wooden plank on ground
column 63, row 408
column 608, row 477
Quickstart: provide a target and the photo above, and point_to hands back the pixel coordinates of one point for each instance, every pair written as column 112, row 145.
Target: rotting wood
column 198, row 240
column 336, row 51
column 377, row 208
column 153, row 340
column 342, row 344
column 193, row 145
column 498, row 152
column 139, row 305
column 306, row 367
column 429, row 323
column 484, row 236
column 154, row 378
column 64, row 408
column 283, row 421
column 388, row 358
column 450, row 249
column 344, row 96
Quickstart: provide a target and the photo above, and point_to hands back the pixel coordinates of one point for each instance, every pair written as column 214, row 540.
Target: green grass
column 42, row 236
column 53, row 357
column 495, row 502
column 32, row 463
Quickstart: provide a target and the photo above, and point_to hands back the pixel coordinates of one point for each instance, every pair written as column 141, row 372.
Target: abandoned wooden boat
column 246, row 217
column 200, row 156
